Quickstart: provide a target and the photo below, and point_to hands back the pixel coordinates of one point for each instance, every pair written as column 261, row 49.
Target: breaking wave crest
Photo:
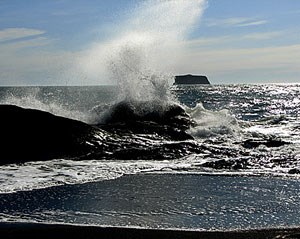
column 212, row 123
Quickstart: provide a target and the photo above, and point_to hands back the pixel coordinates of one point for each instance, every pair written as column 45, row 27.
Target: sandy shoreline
column 40, row 230
column 168, row 201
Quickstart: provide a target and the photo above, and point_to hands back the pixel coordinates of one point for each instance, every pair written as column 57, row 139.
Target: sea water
column 240, row 177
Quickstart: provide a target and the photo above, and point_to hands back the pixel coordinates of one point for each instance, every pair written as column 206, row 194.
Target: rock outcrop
column 191, row 80
column 128, row 134
column 31, row 135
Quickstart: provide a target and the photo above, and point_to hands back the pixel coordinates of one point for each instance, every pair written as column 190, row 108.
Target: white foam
column 42, row 174
column 212, row 123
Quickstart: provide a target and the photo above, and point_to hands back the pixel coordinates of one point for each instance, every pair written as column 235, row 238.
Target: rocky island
column 191, row 80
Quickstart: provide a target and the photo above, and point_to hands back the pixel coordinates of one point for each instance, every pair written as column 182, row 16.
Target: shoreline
column 167, row 201
column 43, row 230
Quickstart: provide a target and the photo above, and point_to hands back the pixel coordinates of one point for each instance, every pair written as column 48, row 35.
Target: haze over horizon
column 64, row 42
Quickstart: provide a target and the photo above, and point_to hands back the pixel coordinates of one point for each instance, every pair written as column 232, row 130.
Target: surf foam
column 212, row 123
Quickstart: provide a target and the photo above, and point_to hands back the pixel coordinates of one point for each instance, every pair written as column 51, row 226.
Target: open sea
column 201, row 157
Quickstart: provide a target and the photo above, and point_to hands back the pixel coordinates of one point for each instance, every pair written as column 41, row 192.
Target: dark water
column 229, row 132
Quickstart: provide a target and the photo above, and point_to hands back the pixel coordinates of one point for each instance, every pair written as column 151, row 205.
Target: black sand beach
column 159, row 205
column 38, row 230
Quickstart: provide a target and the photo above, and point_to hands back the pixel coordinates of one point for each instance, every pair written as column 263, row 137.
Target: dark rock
column 288, row 236
column 253, row 143
column 31, row 135
column 227, row 164
column 154, row 111
column 34, row 135
column 166, row 151
column 294, row 171
column 191, row 80
column 142, row 117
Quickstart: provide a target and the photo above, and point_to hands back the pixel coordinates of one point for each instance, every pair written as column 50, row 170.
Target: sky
column 89, row 42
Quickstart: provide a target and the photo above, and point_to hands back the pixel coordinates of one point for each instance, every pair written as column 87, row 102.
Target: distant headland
column 191, row 80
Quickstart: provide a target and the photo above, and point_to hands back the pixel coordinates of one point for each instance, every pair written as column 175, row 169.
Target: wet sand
column 38, row 230
column 172, row 205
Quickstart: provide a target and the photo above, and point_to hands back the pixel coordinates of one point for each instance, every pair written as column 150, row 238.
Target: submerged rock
column 227, row 164
column 294, row 171
column 254, row 143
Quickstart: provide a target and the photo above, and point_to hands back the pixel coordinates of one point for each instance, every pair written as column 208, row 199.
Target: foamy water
column 222, row 125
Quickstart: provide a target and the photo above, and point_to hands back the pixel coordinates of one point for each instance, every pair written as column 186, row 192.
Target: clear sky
column 59, row 42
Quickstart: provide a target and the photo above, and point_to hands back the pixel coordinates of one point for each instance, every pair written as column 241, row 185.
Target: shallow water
column 182, row 201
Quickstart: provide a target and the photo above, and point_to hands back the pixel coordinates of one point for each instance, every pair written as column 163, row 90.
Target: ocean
column 201, row 157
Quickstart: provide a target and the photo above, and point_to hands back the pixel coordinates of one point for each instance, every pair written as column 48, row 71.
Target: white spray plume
column 140, row 57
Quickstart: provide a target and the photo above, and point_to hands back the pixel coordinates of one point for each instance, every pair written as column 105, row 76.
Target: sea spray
column 210, row 123
column 36, row 98
column 140, row 58
column 135, row 81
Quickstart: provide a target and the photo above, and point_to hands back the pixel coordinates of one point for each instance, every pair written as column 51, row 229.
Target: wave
column 132, row 137
column 135, row 129
column 140, row 130
column 212, row 123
